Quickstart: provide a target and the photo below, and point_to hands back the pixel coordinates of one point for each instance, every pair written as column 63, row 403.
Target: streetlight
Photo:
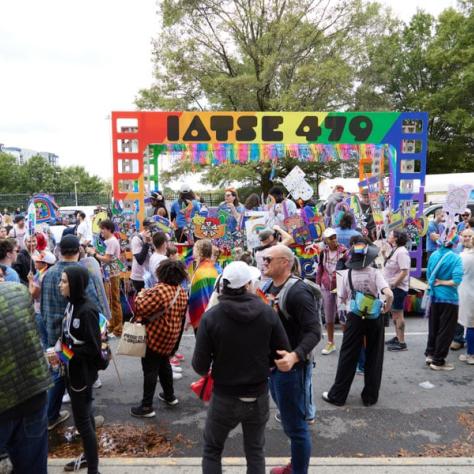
column 75, row 190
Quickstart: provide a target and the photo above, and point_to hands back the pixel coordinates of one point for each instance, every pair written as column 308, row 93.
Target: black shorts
column 398, row 299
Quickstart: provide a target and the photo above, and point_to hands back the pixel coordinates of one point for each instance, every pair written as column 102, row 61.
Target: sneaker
column 311, row 421
column 398, row 347
column 429, row 360
column 78, row 463
column 394, row 340
column 282, row 469
column 360, row 371
column 63, row 416
column 455, row 346
column 177, row 369
column 330, row 347
column 175, row 361
column 177, row 376
column 169, row 401
column 66, row 398
column 140, row 412
column 97, row 383
column 179, row 356
column 278, row 417
column 469, row 359
column 326, row 398
column 444, row 367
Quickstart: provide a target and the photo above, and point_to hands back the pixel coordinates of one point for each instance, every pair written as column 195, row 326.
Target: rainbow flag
column 66, row 354
column 202, row 285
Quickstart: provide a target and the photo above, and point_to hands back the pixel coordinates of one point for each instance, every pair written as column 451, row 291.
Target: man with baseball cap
column 464, row 224
column 182, row 212
column 238, row 337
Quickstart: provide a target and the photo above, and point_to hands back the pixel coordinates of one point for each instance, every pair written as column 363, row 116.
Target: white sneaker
column 469, row 359
column 177, row 376
column 330, row 347
column 66, row 398
column 97, row 383
column 176, row 369
column 441, row 368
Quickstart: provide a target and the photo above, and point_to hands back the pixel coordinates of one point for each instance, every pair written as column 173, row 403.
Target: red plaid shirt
column 163, row 332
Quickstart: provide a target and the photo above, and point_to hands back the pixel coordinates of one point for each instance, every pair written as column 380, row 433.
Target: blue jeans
column 361, row 361
column 288, row 392
column 55, row 396
column 470, row 341
column 459, row 334
column 308, row 387
column 26, row 441
column 43, row 334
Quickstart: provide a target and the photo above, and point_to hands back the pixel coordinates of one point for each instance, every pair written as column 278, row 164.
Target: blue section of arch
column 395, row 137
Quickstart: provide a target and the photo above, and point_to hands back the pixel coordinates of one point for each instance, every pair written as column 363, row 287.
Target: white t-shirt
column 400, row 260
column 84, row 233
column 368, row 280
column 155, row 261
column 138, row 271
column 19, row 235
column 112, row 247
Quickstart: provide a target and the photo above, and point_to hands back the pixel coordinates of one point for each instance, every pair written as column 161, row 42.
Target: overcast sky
column 64, row 66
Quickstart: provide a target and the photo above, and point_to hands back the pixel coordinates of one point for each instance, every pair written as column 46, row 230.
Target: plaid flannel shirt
column 162, row 333
column 53, row 303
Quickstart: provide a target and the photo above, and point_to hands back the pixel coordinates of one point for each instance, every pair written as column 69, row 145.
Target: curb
column 330, row 462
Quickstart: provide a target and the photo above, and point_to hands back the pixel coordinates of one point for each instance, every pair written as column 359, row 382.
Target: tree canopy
column 269, row 55
column 38, row 175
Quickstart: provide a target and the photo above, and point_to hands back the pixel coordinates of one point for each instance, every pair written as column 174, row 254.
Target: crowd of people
column 256, row 322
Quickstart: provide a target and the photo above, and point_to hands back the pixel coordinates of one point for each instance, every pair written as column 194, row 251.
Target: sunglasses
column 269, row 259
column 466, row 215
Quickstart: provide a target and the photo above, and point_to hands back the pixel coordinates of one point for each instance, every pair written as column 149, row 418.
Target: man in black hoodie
column 239, row 337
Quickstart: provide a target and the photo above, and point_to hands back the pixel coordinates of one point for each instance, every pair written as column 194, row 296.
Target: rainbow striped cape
column 202, row 285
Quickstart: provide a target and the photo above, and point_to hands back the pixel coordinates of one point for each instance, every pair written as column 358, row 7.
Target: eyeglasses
column 269, row 259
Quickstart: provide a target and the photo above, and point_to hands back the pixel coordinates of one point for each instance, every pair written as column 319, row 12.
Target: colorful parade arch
column 213, row 138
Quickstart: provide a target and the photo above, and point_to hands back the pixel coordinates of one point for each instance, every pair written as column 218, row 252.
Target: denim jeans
column 55, row 395
column 81, row 404
column 41, row 330
column 470, row 341
column 26, row 441
column 308, row 387
column 288, row 392
column 223, row 415
column 459, row 334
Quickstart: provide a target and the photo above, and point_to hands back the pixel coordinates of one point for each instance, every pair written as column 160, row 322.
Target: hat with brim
column 358, row 261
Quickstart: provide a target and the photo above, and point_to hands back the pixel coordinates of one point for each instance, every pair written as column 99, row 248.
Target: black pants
column 441, row 328
column 356, row 329
column 223, row 415
column 155, row 365
column 138, row 285
column 81, row 404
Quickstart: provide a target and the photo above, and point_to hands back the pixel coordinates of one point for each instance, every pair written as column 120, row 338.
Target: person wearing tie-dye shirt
column 202, row 282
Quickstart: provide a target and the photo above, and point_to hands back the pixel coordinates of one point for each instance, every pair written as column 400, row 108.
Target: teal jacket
column 451, row 269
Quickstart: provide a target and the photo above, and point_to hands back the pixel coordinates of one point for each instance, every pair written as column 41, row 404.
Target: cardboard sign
column 296, row 185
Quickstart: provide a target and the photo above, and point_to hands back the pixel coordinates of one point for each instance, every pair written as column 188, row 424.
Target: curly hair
column 171, row 272
column 203, row 248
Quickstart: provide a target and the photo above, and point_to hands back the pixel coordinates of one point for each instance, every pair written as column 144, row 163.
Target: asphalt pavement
column 419, row 410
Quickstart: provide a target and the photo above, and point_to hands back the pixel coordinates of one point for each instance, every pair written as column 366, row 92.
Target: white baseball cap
column 238, row 274
column 185, row 188
column 45, row 256
column 328, row 233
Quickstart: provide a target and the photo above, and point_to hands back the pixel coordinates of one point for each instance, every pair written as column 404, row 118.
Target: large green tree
column 429, row 65
column 261, row 55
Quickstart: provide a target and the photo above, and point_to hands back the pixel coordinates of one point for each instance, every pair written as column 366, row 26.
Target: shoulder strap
column 435, row 270
column 282, row 295
column 162, row 311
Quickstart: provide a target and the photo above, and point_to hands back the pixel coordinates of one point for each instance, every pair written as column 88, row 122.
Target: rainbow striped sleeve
column 202, row 286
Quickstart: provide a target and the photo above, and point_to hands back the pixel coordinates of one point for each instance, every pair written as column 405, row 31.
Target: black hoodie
column 84, row 329
column 240, row 336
